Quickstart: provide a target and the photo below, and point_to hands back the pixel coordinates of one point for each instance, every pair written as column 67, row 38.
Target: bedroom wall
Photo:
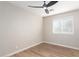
column 19, row 28
column 67, row 40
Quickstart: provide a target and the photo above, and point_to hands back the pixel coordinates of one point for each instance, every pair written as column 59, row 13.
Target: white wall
column 62, row 39
column 18, row 28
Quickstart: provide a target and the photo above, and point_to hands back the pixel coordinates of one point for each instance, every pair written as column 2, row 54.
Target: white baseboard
column 62, row 45
column 38, row 44
column 22, row 49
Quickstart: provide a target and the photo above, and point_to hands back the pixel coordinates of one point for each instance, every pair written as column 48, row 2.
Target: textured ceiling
column 60, row 7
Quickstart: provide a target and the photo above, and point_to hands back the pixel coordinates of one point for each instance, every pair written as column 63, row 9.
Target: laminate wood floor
column 48, row 50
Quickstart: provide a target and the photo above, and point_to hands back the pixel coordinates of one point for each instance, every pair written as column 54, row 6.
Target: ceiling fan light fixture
column 44, row 7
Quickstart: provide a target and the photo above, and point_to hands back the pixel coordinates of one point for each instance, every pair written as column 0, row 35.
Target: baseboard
column 38, row 44
column 62, row 45
column 22, row 49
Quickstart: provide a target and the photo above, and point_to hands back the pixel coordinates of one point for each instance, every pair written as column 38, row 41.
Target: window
column 63, row 25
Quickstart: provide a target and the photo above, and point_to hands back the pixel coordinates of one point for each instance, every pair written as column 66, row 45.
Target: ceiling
column 60, row 7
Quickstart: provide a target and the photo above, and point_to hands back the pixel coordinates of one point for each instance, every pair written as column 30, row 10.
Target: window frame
column 62, row 31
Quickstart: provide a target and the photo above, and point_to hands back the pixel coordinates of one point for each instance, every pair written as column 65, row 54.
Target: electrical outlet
column 16, row 47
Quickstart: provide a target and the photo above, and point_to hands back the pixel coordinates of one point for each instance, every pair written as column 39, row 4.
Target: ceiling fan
column 45, row 6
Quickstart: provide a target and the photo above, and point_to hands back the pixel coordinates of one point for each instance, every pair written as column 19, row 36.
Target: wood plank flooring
column 48, row 50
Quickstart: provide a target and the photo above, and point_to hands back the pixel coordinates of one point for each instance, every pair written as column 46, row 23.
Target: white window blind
column 63, row 25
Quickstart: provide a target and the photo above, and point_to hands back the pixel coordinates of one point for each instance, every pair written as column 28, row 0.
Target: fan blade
column 51, row 3
column 46, row 10
column 36, row 6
